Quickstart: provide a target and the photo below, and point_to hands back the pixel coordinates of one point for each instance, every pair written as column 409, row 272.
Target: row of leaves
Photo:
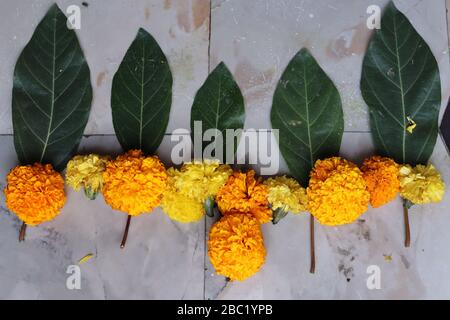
column 52, row 96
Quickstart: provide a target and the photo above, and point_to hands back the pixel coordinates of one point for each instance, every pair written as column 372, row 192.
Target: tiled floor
column 164, row 259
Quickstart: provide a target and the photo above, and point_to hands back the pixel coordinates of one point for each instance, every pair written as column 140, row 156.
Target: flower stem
column 125, row 234
column 23, row 229
column 312, row 268
column 407, row 231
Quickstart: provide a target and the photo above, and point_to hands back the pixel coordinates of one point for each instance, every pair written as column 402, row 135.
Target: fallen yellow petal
column 86, row 258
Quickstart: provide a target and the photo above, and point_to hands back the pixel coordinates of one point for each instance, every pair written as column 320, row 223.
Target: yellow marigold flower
column 134, row 183
column 243, row 193
column 35, row 193
column 200, row 180
column 337, row 192
column 421, row 184
column 381, row 175
column 178, row 206
column 236, row 246
column 86, row 171
column 286, row 193
column 189, row 187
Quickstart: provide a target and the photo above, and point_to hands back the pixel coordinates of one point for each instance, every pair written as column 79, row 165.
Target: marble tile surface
column 257, row 39
column 344, row 253
column 166, row 260
column 181, row 28
column 162, row 260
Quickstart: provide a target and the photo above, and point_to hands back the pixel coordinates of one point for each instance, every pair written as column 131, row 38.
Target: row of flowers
column 338, row 193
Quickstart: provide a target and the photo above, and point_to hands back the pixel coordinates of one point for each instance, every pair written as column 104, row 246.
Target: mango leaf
column 52, row 94
column 219, row 104
column 142, row 95
column 308, row 112
column 400, row 83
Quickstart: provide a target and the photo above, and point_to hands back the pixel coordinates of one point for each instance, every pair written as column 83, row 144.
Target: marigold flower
column 381, row 176
column 35, row 193
column 178, row 206
column 189, row 187
column 421, row 184
column 337, row 192
column 200, row 180
column 286, row 193
column 236, row 246
column 134, row 183
column 86, row 171
column 243, row 193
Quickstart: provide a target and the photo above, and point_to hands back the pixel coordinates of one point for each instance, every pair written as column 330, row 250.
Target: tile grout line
column 209, row 37
column 205, row 218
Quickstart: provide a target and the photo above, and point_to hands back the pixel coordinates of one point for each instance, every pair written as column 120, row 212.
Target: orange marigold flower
column 35, row 193
column 236, row 246
column 382, row 179
column 337, row 192
column 243, row 193
column 134, row 183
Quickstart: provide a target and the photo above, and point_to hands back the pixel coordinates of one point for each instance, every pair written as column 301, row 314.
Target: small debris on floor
column 387, row 257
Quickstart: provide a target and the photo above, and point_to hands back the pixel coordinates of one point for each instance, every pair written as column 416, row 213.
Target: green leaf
column 278, row 214
column 308, row 112
column 52, row 94
column 400, row 83
column 219, row 104
column 142, row 95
